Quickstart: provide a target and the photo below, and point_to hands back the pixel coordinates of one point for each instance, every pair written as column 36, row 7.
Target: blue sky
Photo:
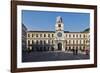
column 45, row 21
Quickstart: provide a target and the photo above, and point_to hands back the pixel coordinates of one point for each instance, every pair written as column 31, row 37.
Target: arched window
column 32, row 35
column 73, row 35
column 84, row 41
column 69, row 35
column 80, row 41
column 80, row 35
column 28, row 35
column 48, row 41
column 40, row 35
column 36, row 35
column 76, row 41
column 48, row 35
column 59, row 25
column 77, row 36
column 44, row 35
column 84, row 35
column 73, row 41
column 66, row 41
column 41, row 42
column 52, row 41
column 52, row 35
column 32, row 41
column 44, row 42
column 66, row 35
column 37, row 42
column 69, row 48
column 69, row 41
column 28, row 42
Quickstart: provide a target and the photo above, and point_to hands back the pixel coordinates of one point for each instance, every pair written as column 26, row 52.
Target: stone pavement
column 51, row 56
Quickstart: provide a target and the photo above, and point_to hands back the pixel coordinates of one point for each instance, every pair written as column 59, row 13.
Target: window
column 52, row 41
column 36, row 35
column 76, row 41
column 32, row 41
column 80, row 41
column 69, row 48
column 37, row 42
column 48, row 35
column 66, row 35
column 44, row 42
column 66, row 42
column 41, row 42
column 69, row 41
column 52, row 35
column 44, row 35
column 80, row 35
column 28, row 35
column 48, row 41
column 66, row 48
column 28, row 42
column 77, row 36
column 32, row 35
column 59, row 25
column 73, row 42
column 40, row 35
column 84, row 35
column 73, row 35
column 69, row 35
column 84, row 41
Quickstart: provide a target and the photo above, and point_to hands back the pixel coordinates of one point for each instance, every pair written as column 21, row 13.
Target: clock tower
column 59, row 34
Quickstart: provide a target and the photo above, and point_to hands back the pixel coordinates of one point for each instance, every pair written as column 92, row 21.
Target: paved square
column 51, row 56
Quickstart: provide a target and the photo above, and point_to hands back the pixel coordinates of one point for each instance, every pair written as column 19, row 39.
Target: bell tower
column 59, row 24
column 59, row 34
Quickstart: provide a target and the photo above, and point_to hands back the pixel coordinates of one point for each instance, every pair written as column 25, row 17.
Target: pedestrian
column 87, row 52
column 73, row 50
column 76, row 51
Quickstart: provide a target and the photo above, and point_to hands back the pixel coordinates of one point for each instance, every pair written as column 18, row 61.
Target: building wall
column 24, row 37
column 45, row 41
column 37, row 40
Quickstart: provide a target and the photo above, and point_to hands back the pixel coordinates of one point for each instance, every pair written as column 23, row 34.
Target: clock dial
column 59, row 34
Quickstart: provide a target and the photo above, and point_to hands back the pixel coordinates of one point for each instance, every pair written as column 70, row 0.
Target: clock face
column 59, row 34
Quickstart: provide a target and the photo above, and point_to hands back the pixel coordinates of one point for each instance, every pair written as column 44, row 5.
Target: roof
column 54, row 32
column 42, row 31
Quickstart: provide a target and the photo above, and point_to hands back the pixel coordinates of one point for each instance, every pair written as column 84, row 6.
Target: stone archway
column 59, row 46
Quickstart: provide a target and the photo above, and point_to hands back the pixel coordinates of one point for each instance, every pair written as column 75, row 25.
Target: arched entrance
column 59, row 46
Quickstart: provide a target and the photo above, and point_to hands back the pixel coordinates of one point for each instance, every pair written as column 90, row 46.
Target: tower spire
column 59, row 19
column 59, row 24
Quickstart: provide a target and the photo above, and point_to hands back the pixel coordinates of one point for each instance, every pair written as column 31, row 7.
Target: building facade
column 58, row 40
column 24, row 37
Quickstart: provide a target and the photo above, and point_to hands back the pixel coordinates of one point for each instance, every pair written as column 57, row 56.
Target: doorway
column 59, row 46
